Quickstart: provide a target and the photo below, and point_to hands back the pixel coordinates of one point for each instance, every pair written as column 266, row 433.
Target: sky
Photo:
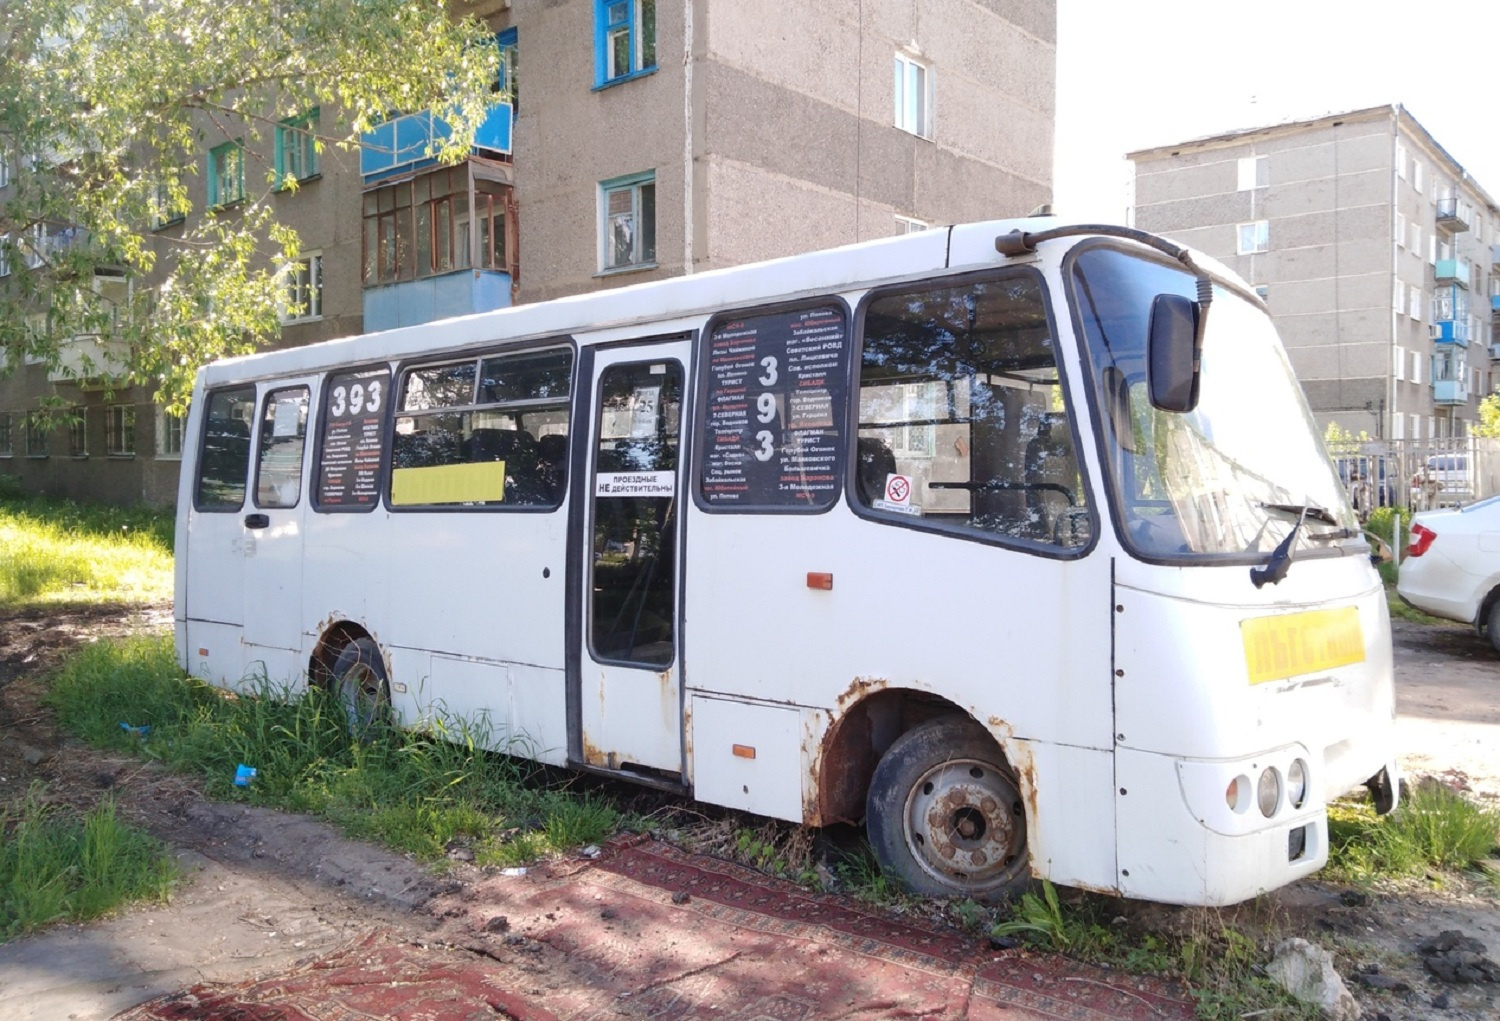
column 1132, row 74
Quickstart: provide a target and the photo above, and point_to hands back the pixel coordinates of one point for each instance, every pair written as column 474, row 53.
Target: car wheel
column 1494, row 626
column 945, row 815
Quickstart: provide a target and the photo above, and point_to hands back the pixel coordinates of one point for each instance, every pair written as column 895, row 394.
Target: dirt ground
column 263, row 890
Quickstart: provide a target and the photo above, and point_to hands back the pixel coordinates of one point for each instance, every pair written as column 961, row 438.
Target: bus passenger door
column 625, row 683
column 272, row 539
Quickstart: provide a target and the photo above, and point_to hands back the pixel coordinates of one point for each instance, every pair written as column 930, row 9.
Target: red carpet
column 649, row 931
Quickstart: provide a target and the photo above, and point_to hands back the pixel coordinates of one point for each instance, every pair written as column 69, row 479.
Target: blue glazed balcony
column 410, row 142
column 428, row 299
column 1449, row 391
column 1454, row 270
column 1450, row 332
column 1495, row 303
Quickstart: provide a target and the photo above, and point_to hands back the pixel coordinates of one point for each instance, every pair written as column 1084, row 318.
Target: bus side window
column 963, row 418
column 224, row 458
column 283, row 434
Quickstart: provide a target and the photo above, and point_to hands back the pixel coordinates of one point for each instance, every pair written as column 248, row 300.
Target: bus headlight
column 1268, row 791
column 1237, row 794
column 1296, row 783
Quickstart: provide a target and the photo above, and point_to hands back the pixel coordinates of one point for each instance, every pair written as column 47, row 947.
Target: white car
column 1452, row 568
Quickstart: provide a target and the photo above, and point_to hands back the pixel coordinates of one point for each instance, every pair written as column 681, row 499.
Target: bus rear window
column 224, row 463
column 502, row 445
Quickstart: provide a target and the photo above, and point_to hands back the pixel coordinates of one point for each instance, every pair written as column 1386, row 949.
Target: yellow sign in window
column 1301, row 643
column 482, row 482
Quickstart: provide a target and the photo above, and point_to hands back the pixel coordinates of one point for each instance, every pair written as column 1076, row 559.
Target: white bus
column 1019, row 548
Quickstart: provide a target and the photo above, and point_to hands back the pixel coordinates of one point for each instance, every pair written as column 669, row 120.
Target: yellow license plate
column 1300, row 643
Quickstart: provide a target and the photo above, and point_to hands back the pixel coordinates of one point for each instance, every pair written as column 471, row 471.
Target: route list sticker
column 349, row 470
column 777, row 391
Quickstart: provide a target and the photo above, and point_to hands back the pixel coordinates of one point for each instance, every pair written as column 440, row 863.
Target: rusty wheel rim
column 965, row 825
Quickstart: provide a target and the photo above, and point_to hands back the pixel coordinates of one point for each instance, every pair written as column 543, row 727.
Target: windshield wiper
column 1281, row 556
column 1302, row 510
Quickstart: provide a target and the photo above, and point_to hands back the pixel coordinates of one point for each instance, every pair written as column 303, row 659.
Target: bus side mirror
column 1172, row 353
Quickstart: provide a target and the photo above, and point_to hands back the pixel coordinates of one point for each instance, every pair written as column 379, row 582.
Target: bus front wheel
column 360, row 682
column 945, row 816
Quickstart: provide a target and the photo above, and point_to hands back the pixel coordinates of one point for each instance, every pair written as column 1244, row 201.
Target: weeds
column 55, row 551
column 54, row 866
column 421, row 791
column 1435, row 827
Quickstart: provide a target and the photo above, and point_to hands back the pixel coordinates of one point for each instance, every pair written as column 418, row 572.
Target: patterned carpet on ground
column 647, row 930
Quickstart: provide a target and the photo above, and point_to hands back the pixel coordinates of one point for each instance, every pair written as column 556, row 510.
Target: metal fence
column 1418, row 474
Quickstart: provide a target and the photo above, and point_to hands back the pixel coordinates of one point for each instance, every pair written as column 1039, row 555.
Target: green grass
column 1221, row 967
column 1434, row 828
column 420, row 791
column 55, row 866
column 59, row 551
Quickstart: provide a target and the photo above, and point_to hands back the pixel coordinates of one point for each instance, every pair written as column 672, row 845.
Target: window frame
column 633, row 183
column 312, row 306
column 201, row 448
column 1074, row 402
column 1261, row 240
column 38, row 438
column 77, row 432
column 169, row 426
column 297, row 141
column 119, row 430
column 1250, row 170
column 915, row 114
column 640, row 47
column 395, row 410
column 7, row 434
column 217, row 157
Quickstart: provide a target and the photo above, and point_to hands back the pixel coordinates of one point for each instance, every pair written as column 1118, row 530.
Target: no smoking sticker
column 897, row 495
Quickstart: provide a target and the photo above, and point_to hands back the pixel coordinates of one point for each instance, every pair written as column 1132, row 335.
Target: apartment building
column 1372, row 247
column 638, row 139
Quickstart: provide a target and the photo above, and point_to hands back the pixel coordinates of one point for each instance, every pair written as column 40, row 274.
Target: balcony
column 411, row 302
column 406, row 143
column 1449, row 391
column 1450, row 331
column 1453, row 270
column 90, row 361
column 1453, row 215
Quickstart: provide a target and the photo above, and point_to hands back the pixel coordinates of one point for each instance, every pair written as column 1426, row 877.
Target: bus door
column 626, row 687
column 272, row 530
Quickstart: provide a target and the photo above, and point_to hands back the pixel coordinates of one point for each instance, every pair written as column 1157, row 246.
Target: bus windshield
column 1231, row 478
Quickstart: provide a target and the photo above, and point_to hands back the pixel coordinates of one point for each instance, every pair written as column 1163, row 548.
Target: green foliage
column 113, row 106
column 1383, row 523
column 1434, row 828
column 60, row 551
column 56, row 866
column 1489, row 417
column 421, row 791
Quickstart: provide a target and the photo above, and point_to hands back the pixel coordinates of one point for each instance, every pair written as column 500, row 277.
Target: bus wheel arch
column 946, row 813
column 349, row 663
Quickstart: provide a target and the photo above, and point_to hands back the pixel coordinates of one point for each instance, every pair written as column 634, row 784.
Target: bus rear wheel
column 363, row 691
column 945, row 816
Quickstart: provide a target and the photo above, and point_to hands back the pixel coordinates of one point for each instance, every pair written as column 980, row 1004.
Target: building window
column 168, row 433
column 119, row 430
column 1254, row 237
column 1400, row 362
column 1416, row 370
column 913, row 96
column 627, row 222
column 297, row 148
column 1401, row 161
column 226, row 174
column 624, row 39
column 304, row 290
column 909, row 225
column 1414, row 304
column 509, row 84
column 1401, row 230
column 1255, row 172
column 164, row 211
column 1263, row 292
column 78, row 432
column 7, row 441
column 1416, row 183
column 4, row 170
column 36, row 434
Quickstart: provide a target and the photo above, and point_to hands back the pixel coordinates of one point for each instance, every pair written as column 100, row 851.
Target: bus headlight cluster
column 1272, row 790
